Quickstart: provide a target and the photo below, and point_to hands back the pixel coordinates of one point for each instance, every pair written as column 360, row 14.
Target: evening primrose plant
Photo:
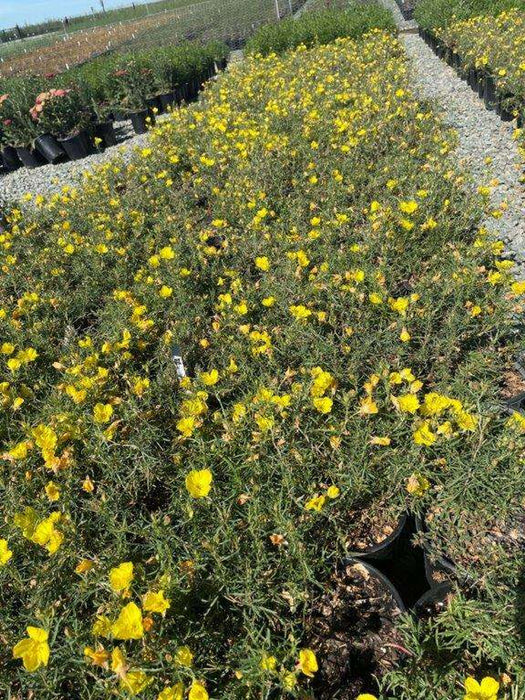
column 301, row 241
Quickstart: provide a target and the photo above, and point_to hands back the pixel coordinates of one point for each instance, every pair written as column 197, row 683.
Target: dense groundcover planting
column 439, row 13
column 320, row 27
column 301, row 239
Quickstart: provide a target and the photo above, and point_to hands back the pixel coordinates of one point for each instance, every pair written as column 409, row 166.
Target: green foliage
column 320, row 27
column 431, row 14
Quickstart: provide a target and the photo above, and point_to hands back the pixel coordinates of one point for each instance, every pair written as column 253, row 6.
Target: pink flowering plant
column 60, row 112
column 16, row 126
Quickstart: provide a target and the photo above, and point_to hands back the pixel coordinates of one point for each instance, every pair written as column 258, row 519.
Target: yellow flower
column 46, row 535
column 33, row 650
column 52, row 491
column 332, row 492
column 265, row 423
column 165, row 291
column 368, row 407
column 408, row 207
column 19, row 451
column 366, row 696
column 102, row 412
column 155, row 602
column 5, row 552
column 518, row 287
column 404, row 336
column 84, row 566
column 121, row 576
column 128, row 625
column 486, row 690
column 400, row 305
column 323, row 404
column 134, row 682
column 209, row 378
column 408, row 403
column 174, row 692
column 301, row 313
column 262, row 263
column 383, row 441
column 198, row 483
column 315, row 503
column 268, row 663
column 308, row 662
column 184, row 656
column 424, row 436
column 268, row 301
column 186, row 426
column 99, row 657
column 417, row 485
column 197, row 691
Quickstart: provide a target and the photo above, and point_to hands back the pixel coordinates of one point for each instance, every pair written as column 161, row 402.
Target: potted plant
column 19, row 130
column 130, row 86
column 10, row 159
column 63, row 114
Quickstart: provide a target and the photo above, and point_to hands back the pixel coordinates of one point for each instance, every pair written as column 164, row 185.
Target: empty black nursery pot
column 30, row 157
column 78, row 146
column 50, row 148
column 106, row 132
column 138, row 120
column 10, row 159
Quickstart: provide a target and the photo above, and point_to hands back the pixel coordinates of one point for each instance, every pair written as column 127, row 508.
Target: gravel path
column 481, row 134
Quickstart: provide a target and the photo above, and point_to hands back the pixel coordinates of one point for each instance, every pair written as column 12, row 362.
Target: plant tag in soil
column 179, row 364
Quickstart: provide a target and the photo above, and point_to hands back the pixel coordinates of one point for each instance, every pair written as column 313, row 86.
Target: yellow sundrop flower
column 155, row 602
column 165, row 291
column 87, row 485
column 174, row 692
column 518, row 287
column 262, row 263
column 375, row 298
column 300, row 312
column 308, row 662
column 316, row 503
column 368, row 407
column 34, row 649
column 198, row 483
column 238, row 412
column 167, row 253
column 417, row 485
column 99, row 657
column 424, row 436
column 268, row 663
column 408, row 403
column 186, row 426
column 486, row 690
column 466, row 421
column 366, row 696
column 19, row 451
column 129, row 623
column 134, row 682
column 264, row 423
column 404, row 336
column 102, row 413
column 184, row 656
column 84, row 566
column 323, row 404
column 46, row 535
column 333, row 492
column 209, row 378
column 400, row 305
column 408, row 207
column 268, row 301
column 5, row 552
column 121, row 576
column 52, row 491
column 45, row 438
column 101, row 627
column 197, row 691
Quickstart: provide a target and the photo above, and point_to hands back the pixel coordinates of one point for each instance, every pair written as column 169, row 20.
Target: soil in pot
column 106, row 132
column 10, row 159
column 77, row 146
column 138, row 120
column 433, row 602
column 372, row 530
column 352, row 631
column 30, row 157
column 49, row 147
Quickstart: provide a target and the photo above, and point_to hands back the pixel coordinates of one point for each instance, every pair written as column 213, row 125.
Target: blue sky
column 28, row 11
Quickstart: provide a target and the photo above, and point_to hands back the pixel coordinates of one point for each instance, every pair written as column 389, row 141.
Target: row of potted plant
column 482, row 78
column 55, row 118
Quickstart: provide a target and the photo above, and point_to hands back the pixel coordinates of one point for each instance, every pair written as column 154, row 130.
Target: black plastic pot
column 138, row 119
column 30, row 158
column 385, row 582
column 504, row 112
column 78, row 146
column 472, row 78
column 106, row 132
column 481, row 84
column 50, row 148
column 516, row 404
column 433, row 601
column 435, row 566
column 400, row 561
column 166, row 100
column 10, row 159
column 153, row 103
column 120, row 116
column 489, row 94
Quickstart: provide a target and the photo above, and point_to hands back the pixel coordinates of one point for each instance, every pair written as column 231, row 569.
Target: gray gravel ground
column 481, row 134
